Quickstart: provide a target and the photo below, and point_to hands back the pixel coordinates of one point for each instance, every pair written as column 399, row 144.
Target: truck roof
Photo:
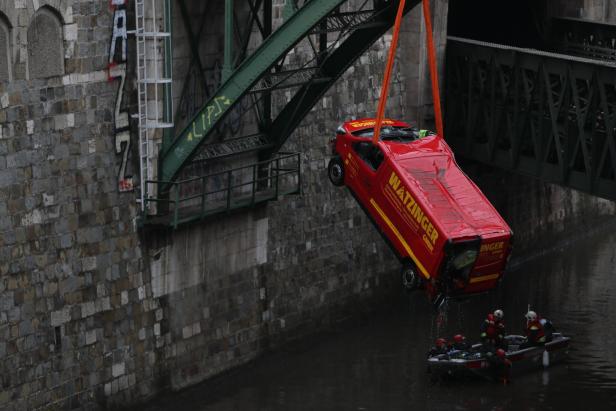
column 458, row 206
column 368, row 123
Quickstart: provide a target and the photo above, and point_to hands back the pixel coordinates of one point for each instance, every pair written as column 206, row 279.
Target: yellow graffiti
column 208, row 116
column 194, row 132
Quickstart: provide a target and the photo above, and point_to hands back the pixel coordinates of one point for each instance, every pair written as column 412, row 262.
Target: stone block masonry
column 72, row 287
column 94, row 313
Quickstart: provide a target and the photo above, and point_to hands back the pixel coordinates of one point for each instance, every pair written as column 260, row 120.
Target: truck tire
column 335, row 171
column 410, row 277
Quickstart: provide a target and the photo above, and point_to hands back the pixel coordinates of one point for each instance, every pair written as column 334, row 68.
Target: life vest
column 535, row 332
column 492, row 328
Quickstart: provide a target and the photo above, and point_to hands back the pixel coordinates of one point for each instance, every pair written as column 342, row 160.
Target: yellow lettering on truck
column 414, row 210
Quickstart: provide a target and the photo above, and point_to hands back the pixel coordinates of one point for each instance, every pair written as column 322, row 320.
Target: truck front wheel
column 410, row 277
column 335, row 171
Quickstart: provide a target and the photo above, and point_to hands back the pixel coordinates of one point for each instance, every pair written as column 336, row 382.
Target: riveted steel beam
column 550, row 116
column 227, row 69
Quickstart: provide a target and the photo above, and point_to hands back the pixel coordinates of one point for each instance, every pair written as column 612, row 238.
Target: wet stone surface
column 379, row 363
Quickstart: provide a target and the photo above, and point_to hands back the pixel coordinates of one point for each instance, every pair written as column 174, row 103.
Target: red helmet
column 458, row 338
column 440, row 342
column 500, row 353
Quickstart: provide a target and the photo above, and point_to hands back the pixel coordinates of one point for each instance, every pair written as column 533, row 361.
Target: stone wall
column 596, row 10
column 95, row 312
column 542, row 216
column 5, row 51
column 76, row 322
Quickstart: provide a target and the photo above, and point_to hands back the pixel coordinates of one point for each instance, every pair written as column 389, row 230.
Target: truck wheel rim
column 409, row 278
column 336, row 171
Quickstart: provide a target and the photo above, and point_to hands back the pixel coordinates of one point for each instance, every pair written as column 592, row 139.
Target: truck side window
column 369, row 153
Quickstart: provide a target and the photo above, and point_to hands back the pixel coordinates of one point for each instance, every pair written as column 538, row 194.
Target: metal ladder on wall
column 154, row 82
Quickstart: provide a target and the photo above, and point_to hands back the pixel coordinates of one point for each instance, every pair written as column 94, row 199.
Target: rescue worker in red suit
column 500, row 366
column 459, row 343
column 535, row 332
column 493, row 331
column 440, row 347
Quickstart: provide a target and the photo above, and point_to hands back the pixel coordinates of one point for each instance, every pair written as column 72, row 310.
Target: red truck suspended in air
column 445, row 232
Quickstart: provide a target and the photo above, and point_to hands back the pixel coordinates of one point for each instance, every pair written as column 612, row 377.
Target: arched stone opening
column 45, row 44
column 5, row 48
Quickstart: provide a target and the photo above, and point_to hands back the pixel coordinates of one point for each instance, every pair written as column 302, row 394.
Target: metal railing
column 154, row 80
column 199, row 197
column 585, row 38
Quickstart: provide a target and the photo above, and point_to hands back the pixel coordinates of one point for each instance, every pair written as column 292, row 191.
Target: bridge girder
column 545, row 115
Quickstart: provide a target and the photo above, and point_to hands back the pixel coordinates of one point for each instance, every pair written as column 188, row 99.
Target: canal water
column 379, row 364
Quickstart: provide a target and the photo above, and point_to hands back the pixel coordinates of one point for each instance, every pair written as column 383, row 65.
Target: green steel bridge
column 547, row 115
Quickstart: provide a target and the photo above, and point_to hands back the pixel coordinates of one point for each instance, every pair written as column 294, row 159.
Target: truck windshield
column 389, row 133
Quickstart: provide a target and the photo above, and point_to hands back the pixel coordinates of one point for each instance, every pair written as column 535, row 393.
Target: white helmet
column 531, row 316
column 498, row 314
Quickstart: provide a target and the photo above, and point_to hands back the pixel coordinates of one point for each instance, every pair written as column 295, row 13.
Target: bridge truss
column 342, row 38
column 546, row 115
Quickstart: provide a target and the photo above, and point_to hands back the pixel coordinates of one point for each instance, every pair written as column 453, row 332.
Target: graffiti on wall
column 117, row 72
column 199, row 88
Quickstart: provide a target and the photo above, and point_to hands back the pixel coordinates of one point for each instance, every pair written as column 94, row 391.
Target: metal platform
column 224, row 192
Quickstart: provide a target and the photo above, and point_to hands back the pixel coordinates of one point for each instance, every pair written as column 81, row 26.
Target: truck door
column 369, row 158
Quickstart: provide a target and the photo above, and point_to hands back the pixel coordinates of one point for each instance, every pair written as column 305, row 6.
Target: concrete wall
column 95, row 312
column 597, row 10
column 542, row 216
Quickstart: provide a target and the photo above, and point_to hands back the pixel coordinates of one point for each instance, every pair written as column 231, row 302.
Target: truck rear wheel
column 335, row 171
column 410, row 277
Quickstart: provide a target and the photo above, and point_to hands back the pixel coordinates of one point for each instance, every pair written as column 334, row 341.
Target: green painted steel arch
column 244, row 77
column 331, row 69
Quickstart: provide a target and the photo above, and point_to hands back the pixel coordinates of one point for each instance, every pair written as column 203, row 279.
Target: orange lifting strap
column 389, row 67
column 436, row 94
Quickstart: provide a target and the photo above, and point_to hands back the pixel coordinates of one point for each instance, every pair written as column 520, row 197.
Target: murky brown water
column 380, row 365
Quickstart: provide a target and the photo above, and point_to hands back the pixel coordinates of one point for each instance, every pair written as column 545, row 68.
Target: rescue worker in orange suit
column 440, row 347
column 459, row 343
column 535, row 332
column 500, row 366
column 493, row 331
